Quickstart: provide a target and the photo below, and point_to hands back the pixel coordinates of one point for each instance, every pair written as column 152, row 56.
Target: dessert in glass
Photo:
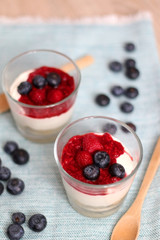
column 41, row 92
column 98, row 158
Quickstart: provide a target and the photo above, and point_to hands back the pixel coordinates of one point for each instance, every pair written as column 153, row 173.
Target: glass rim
column 35, row 51
column 102, row 186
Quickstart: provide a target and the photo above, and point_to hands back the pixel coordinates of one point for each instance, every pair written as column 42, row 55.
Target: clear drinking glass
column 98, row 200
column 29, row 118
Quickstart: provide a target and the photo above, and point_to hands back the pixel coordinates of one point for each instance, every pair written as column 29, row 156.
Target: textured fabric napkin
column 44, row 192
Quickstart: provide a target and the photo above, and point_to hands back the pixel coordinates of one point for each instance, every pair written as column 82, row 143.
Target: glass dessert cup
column 98, row 200
column 36, row 122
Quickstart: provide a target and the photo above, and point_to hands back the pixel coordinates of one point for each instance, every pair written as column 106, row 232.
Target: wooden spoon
column 82, row 62
column 128, row 226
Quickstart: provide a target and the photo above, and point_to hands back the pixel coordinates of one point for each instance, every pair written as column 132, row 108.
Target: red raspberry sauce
column 75, row 144
column 66, row 87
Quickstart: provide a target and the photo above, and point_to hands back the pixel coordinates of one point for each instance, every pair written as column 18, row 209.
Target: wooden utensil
column 81, row 63
column 128, row 226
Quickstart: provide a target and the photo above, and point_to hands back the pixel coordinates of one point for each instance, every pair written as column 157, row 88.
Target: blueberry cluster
column 101, row 159
column 15, row 231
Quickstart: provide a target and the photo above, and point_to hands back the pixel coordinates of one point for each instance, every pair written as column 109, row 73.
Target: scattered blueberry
column 129, row 47
column 115, row 66
column 20, row 156
column 132, row 73
column 110, row 128
column 15, row 186
column 117, row 170
column 102, row 100
column 131, row 92
column 24, row 88
column 37, row 222
column 10, row 147
column 132, row 125
column 126, row 107
column 117, row 91
column 15, row 232
column 53, row 79
column 1, row 188
column 18, row 218
column 101, row 159
column 91, row 172
column 130, row 63
column 5, row 173
column 39, row 81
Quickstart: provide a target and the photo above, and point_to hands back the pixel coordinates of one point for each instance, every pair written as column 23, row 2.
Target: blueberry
column 117, row 91
column 37, row 222
column 91, row 172
column 101, row 159
column 18, row 218
column 1, row 188
column 110, row 128
column 15, row 186
column 24, row 88
column 129, row 47
column 39, row 81
column 126, row 107
column 10, row 147
column 115, row 66
column 102, row 100
column 53, row 79
column 130, row 62
column 15, row 232
column 20, row 156
column 131, row 92
column 132, row 73
column 131, row 125
column 117, row 170
column 5, row 173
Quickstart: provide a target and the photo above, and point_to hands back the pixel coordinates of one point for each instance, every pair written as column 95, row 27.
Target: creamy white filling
column 38, row 124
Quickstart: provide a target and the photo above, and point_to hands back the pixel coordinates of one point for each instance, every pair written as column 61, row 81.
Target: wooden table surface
column 80, row 8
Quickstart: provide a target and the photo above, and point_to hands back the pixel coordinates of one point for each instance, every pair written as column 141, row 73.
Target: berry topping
column 39, row 81
column 54, row 95
column 132, row 73
column 102, row 100
column 20, row 156
column 84, row 158
column 37, row 96
column 10, row 147
column 91, row 172
column 131, row 92
column 18, row 218
column 15, row 186
column 117, row 91
column 91, row 143
column 15, row 232
column 130, row 63
column 129, row 47
column 117, row 170
column 37, row 222
column 101, row 159
column 110, row 128
column 5, row 173
column 115, row 66
column 24, row 88
column 53, row 79
column 126, row 107
column 1, row 188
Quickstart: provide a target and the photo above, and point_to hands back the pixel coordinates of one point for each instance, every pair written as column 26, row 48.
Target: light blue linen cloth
column 44, row 192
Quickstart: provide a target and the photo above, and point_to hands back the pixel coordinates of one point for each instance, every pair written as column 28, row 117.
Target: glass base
column 97, row 212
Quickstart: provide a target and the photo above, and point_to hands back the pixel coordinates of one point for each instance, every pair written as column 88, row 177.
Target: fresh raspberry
column 37, row 96
column 91, row 143
column 54, row 95
column 84, row 158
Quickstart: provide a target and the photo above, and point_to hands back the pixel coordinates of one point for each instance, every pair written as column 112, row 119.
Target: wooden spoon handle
column 81, row 63
column 150, row 173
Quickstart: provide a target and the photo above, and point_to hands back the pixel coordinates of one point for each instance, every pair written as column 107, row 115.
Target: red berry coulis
column 78, row 143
